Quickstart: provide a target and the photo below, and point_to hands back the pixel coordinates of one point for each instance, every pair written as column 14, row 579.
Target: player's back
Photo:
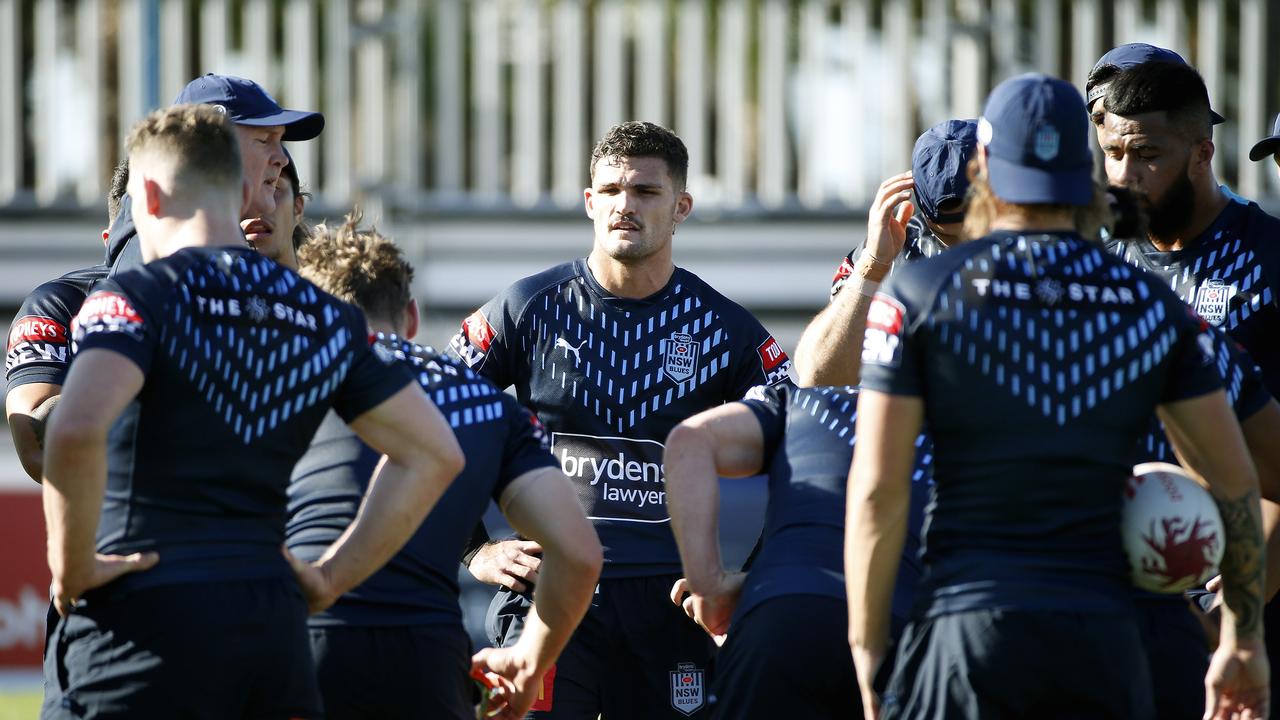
column 242, row 359
column 500, row 440
column 809, row 436
column 1040, row 359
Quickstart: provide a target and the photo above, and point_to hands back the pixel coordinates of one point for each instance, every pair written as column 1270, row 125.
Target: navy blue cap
column 246, row 103
column 1036, row 134
column 939, row 167
column 1126, row 56
column 1267, row 145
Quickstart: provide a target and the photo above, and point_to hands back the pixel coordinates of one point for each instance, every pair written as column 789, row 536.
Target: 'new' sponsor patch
column 883, row 342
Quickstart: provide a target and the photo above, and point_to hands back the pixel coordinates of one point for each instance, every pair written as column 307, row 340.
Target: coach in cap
column 261, row 126
column 1022, row 547
column 1269, row 145
column 896, row 234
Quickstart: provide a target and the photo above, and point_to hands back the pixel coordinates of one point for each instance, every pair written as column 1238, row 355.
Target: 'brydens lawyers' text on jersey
column 242, row 359
column 1229, row 274
column 610, row 377
column 419, row 586
column 808, row 445
column 1040, row 360
column 39, row 349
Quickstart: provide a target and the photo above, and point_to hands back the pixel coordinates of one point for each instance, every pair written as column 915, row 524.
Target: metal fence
column 483, row 105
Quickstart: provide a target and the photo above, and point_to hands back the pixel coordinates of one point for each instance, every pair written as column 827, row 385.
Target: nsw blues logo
column 1213, row 299
column 687, row 688
column 680, row 357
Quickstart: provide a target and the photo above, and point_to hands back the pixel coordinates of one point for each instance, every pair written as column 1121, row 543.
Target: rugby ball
column 1172, row 530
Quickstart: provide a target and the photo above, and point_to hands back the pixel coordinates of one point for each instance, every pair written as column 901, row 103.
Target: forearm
column 74, row 483
column 829, row 350
column 693, row 499
column 398, row 500
column 875, row 531
column 1271, row 531
column 27, row 427
column 561, row 599
column 1243, row 566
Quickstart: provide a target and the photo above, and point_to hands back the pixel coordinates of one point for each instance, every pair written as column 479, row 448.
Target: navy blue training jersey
column 808, row 444
column 1242, row 381
column 242, row 359
column 124, row 252
column 39, row 349
column 419, row 586
column 610, row 377
column 920, row 243
column 1228, row 274
column 1040, row 360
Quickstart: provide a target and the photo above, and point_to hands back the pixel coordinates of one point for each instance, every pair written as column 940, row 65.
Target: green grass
column 20, row 705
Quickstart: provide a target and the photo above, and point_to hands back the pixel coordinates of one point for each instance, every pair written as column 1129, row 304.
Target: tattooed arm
column 28, row 407
column 1209, row 442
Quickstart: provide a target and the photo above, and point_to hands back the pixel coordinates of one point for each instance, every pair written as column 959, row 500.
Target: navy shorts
column 1177, row 654
column 211, row 650
column 376, row 673
column 788, row 657
column 635, row 655
column 992, row 665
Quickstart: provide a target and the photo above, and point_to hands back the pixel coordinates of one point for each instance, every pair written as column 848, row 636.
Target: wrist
column 869, row 267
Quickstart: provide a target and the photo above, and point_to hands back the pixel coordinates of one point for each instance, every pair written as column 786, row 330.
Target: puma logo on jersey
column 562, row 343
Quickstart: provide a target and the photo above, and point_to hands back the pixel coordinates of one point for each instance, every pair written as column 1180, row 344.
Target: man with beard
column 611, row 351
column 1216, row 252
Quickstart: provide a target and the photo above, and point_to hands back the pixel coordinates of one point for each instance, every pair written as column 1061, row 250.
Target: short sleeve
column 760, row 361
column 1192, row 369
column 528, row 446
column 482, row 342
column 119, row 320
column 769, row 405
column 371, row 379
column 890, row 349
column 39, row 347
column 1252, row 394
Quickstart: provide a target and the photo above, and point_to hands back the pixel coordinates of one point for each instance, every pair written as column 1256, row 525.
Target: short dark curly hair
column 1172, row 88
column 638, row 138
column 358, row 265
column 119, row 187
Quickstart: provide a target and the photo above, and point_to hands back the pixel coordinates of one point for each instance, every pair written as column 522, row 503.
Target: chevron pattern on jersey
column 1231, row 263
column 836, row 410
column 461, row 395
column 1089, row 355
column 612, row 363
column 241, row 330
column 1156, row 443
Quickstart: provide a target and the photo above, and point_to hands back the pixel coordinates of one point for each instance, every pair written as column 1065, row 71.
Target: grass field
column 19, row 705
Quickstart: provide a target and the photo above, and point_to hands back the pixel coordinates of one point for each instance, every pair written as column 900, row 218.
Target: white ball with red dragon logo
column 1172, row 530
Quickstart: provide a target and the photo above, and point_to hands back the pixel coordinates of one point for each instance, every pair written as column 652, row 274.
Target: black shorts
column 635, row 655
column 788, row 658
column 211, row 650
column 378, row 673
column 1177, row 655
column 993, row 664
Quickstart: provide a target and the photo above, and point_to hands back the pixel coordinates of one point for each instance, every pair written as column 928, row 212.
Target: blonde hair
column 984, row 208
column 198, row 140
column 360, row 266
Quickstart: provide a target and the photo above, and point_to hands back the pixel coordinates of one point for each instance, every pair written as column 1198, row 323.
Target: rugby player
column 1023, row 546
column 1213, row 248
column 199, row 381
column 610, row 352
column 280, row 233
column 395, row 647
column 792, row 602
column 827, row 353
column 39, row 347
column 1117, row 60
column 261, row 126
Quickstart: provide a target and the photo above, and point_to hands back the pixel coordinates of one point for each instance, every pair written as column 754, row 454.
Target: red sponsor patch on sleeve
column 547, row 692
column 107, row 312
column 34, row 328
column 478, row 331
column 771, row 354
column 841, row 275
column 882, row 344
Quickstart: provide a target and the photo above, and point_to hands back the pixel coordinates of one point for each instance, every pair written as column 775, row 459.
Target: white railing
column 786, row 105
